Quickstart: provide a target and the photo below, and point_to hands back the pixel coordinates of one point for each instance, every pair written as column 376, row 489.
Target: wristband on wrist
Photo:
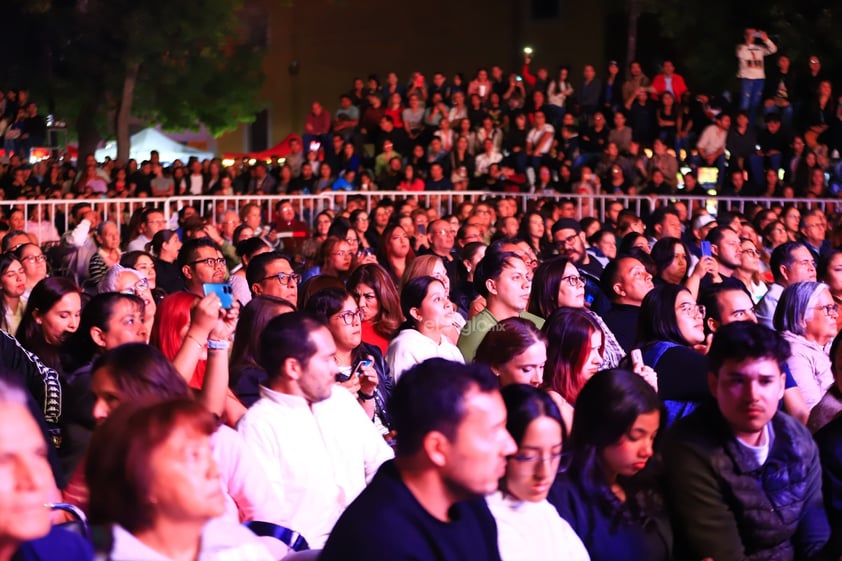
column 364, row 396
column 218, row 345
column 195, row 340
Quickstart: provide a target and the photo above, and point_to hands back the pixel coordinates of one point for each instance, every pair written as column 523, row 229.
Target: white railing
column 307, row 207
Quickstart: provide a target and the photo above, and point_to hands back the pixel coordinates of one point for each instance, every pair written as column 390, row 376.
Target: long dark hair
column 657, row 321
column 543, row 298
column 663, row 254
column 568, row 332
column 412, row 296
column 97, row 313
column 253, row 319
column 607, row 407
column 6, row 260
column 30, row 334
column 328, row 301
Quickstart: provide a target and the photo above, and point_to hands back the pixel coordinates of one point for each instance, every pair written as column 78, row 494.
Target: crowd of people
column 497, row 383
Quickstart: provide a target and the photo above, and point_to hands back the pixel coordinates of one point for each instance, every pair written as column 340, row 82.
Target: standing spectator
column 751, row 73
column 316, row 128
column 668, row 81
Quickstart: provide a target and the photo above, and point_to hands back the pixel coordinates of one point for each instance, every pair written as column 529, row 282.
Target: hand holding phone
column 358, row 369
column 223, row 291
column 636, row 358
column 705, row 247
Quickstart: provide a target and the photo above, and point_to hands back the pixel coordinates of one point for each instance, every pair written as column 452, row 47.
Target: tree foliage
column 183, row 59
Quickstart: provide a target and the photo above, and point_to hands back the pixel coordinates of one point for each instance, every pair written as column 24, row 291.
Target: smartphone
column 358, row 369
column 223, row 291
column 527, row 50
column 636, row 358
column 314, row 146
column 705, row 246
column 421, row 229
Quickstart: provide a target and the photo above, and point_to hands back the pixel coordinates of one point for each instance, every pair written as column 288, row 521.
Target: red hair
column 568, row 332
column 166, row 334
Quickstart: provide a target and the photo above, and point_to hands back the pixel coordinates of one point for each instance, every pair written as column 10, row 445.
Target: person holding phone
column 752, row 74
column 361, row 367
column 200, row 261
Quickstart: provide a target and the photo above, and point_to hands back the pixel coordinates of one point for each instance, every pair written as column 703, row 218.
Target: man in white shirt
column 316, row 443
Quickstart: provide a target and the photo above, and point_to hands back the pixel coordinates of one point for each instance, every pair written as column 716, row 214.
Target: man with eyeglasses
column 152, row 223
column 200, row 261
column 744, row 481
column 625, row 282
column 312, row 438
column 790, row 262
column 725, row 305
column 271, row 274
column 814, row 232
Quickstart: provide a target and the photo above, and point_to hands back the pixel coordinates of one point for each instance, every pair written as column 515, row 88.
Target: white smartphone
column 637, row 358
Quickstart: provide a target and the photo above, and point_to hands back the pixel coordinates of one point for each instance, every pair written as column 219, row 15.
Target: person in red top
column 669, row 81
column 316, row 128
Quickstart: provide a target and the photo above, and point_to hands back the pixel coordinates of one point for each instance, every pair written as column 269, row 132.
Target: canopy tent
column 150, row 139
column 280, row 150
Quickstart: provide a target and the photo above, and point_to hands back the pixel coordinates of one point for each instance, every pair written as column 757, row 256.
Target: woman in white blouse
column 427, row 309
column 529, row 527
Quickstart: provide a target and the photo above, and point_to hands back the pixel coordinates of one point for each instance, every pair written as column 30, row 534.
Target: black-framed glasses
column 574, row 280
column 348, row 317
column 210, row 261
column 284, row 278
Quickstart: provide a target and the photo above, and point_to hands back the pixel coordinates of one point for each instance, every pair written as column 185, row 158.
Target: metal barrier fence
column 58, row 212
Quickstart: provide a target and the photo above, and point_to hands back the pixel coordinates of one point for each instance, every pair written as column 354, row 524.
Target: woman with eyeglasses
column 427, row 310
column 609, row 494
column 12, row 292
column 557, row 283
column 34, row 265
column 748, row 270
column 670, row 330
column 362, row 369
column 335, row 258
column 806, row 316
column 529, row 527
column 830, row 272
column 379, row 301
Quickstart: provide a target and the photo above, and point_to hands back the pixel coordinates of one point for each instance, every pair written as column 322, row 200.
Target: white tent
column 150, row 139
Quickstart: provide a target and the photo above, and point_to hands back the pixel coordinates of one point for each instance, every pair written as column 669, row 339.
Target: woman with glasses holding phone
column 806, row 316
column 670, row 334
column 362, row 369
column 528, row 527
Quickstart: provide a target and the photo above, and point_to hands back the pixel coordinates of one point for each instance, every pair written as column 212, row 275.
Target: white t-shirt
column 410, row 347
column 534, row 137
column 527, row 531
